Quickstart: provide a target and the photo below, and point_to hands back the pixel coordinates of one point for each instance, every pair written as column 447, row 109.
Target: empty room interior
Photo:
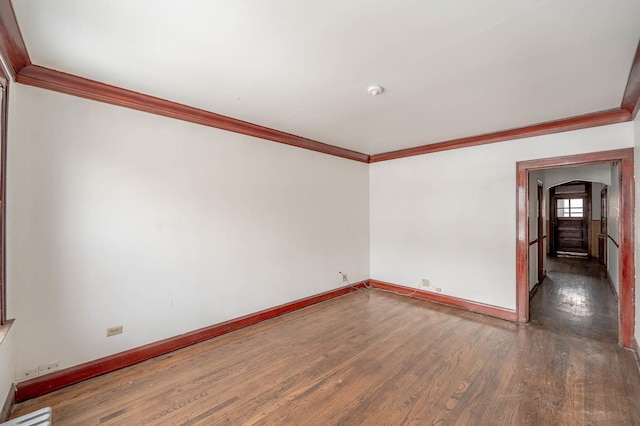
column 340, row 212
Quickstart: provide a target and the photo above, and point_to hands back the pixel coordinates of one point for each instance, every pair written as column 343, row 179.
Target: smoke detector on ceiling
column 375, row 90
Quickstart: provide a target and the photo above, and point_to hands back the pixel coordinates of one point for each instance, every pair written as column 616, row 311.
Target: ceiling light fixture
column 375, row 90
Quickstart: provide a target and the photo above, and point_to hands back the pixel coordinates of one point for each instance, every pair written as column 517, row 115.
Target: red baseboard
column 7, row 407
column 480, row 308
column 48, row 383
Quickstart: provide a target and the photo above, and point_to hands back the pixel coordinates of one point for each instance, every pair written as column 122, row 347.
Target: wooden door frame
column 605, row 219
column 626, row 264
column 540, row 233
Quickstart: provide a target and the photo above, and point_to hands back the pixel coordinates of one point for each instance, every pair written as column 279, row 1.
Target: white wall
column 451, row 216
column 592, row 173
column 613, row 216
column 118, row 217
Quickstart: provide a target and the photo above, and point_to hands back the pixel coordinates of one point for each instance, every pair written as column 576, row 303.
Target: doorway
column 570, row 215
column 626, row 266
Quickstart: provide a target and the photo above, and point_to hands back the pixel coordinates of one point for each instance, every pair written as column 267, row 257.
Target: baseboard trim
column 636, row 353
column 48, row 383
column 534, row 290
column 480, row 308
column 9, row 402
column 611, row 286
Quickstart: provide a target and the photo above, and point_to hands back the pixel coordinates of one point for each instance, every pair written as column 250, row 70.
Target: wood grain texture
column 471, row 306
column 371, row 357
column 46, row 78
column 626, row 265
column 68, row 376
column 4, row 121
column 631, row 98
column 601, row 118
column 12, row 47
column 522, row 249
column 7, row 407
column 4, row 111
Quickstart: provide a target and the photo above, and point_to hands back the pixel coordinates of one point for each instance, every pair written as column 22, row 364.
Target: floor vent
column 41, row 417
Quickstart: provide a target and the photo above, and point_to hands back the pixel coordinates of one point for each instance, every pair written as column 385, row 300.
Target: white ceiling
column 451, row 68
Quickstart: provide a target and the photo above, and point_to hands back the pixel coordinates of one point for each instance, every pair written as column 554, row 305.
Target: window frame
column 570, row 208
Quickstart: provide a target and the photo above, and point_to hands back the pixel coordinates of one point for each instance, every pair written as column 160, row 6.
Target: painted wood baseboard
column 48, row 383
column 534, row 290
column 612, row 287
column 7, row 407
column 480, row 308
column 636, row 353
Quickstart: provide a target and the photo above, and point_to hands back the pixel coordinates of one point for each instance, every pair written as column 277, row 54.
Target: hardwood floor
column 382, row 359
column 576, row 299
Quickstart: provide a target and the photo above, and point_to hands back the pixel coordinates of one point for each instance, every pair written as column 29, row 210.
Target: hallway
column 576, row 299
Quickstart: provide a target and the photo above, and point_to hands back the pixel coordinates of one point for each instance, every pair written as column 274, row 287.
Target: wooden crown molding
column 600, row 118
column 12, row 47
column 34, row 75
column 14, row 51
column 631, row 98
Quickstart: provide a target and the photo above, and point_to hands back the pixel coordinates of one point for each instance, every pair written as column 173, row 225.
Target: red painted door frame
column 626, row 264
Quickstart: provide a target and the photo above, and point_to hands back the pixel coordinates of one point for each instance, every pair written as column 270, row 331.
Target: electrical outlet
column 49, row 368
column 26, row 374
column 425, row 283
column 112, row 331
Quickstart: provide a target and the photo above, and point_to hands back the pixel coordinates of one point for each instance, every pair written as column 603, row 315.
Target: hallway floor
column 576, row 299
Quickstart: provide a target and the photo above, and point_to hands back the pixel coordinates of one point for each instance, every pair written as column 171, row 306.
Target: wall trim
column 631, row 98
column 12, row 47
column 636, row 353
column 468, row 305
column 45, row 78
column 48, row 383
column 534, row 290
column 613, row 241
column 9, row 402
column 626, row 232
column 601, row 118
column 42, row 385
column 14, row 51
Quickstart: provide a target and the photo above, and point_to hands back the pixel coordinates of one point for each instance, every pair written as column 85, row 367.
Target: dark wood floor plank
column 373, row 357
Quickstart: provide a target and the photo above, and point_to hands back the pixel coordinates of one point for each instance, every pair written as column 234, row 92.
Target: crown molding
column 45, row 78
column 12, row 47
column 14, row 52
column 631, row 98
column 600, row 118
